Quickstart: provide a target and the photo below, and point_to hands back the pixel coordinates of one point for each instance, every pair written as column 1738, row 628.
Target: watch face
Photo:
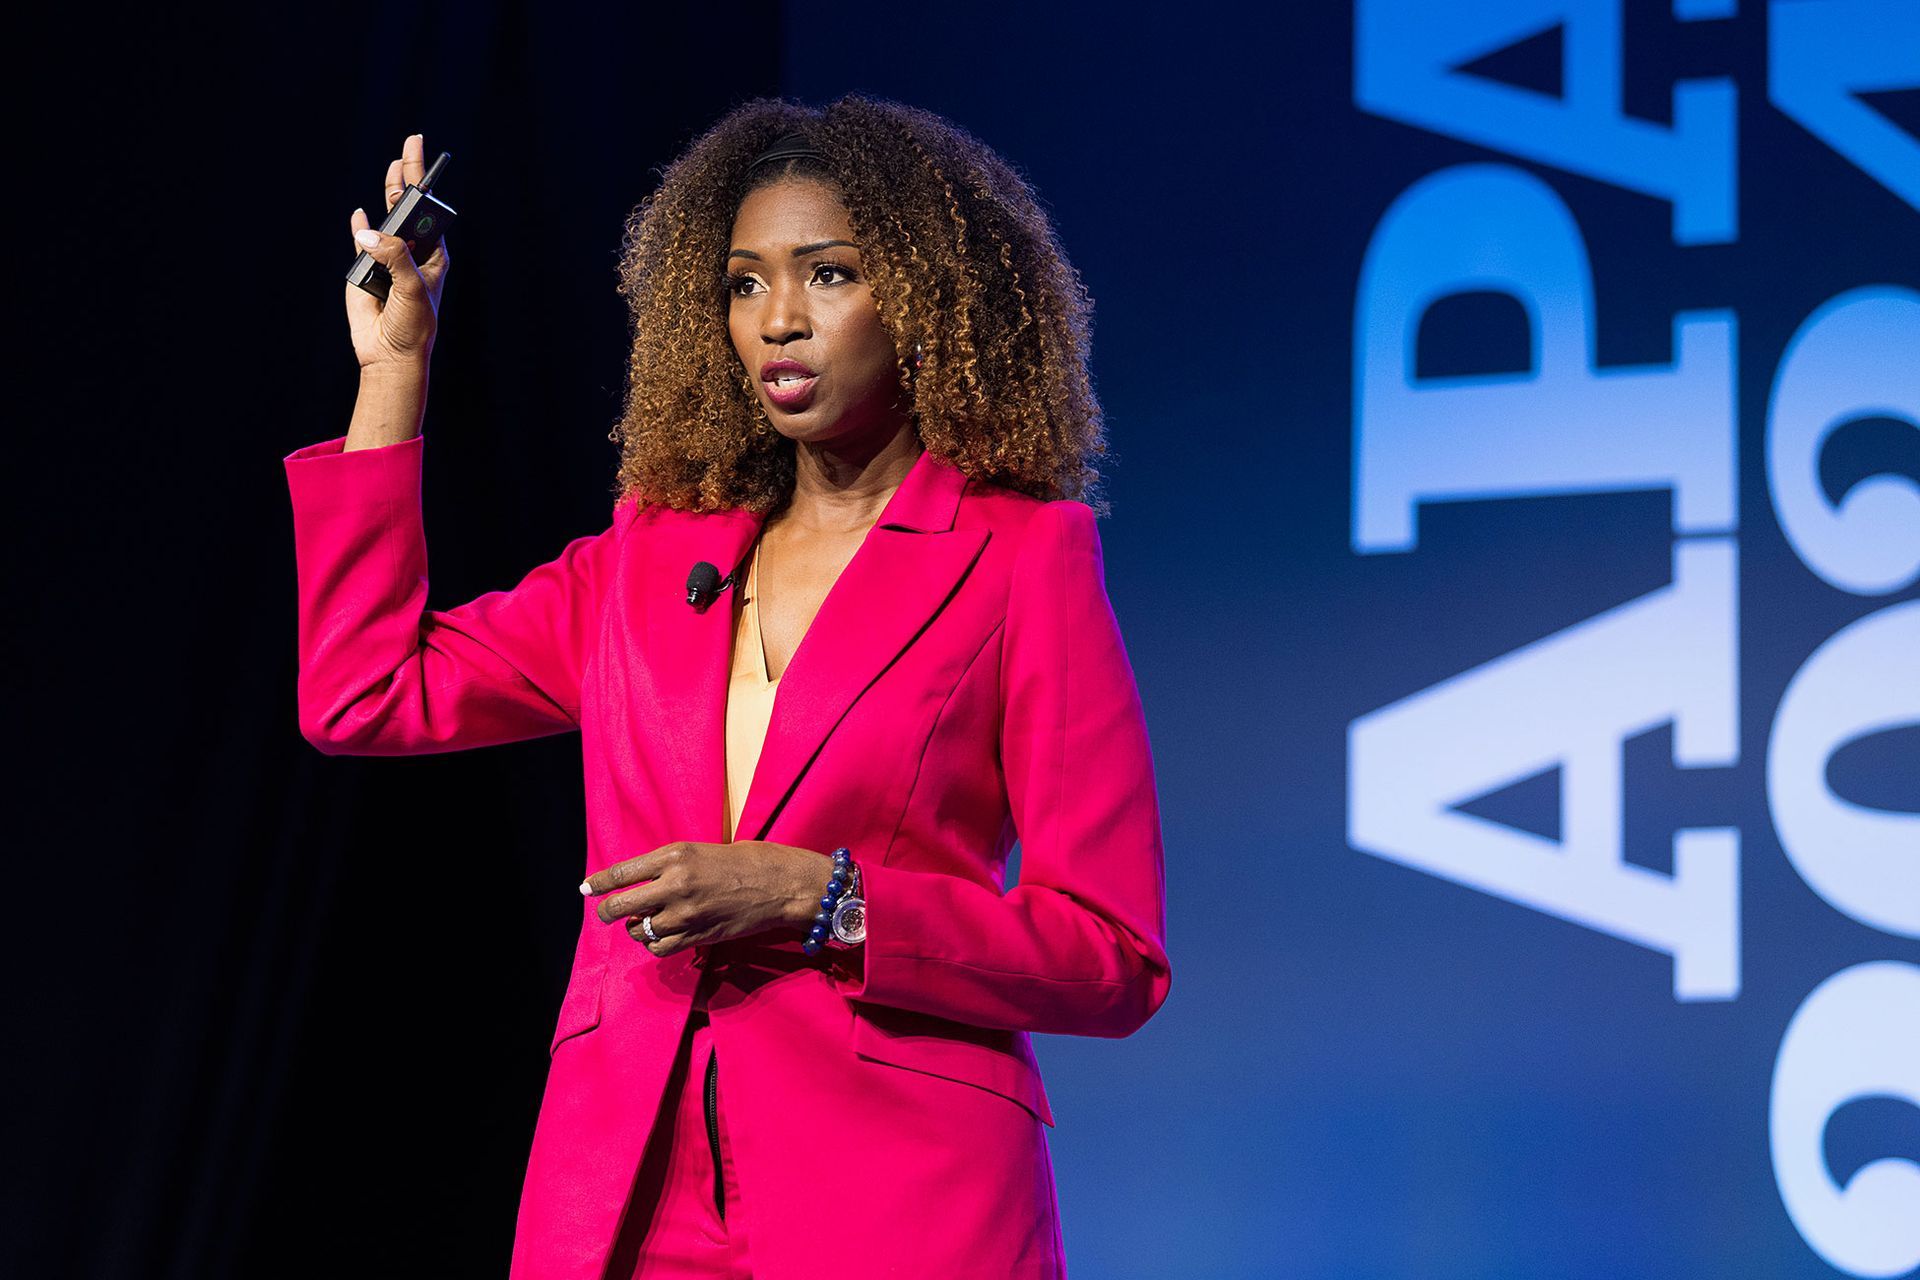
column 850, row 921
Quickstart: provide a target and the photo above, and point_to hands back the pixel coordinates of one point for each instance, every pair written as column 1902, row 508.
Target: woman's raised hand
column 399, row 331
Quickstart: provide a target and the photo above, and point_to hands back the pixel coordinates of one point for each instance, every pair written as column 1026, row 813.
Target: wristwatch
column 850, row 915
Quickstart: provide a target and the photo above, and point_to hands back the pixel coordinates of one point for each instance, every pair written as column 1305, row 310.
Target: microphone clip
column 704, row 585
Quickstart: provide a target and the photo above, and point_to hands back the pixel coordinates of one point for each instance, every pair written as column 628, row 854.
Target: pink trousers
column 683, row 1221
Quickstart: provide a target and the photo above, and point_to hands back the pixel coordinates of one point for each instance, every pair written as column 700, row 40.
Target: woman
column 858, row 396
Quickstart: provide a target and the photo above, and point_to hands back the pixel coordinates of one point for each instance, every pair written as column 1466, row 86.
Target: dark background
column 294, row 1022
column 286, row 1014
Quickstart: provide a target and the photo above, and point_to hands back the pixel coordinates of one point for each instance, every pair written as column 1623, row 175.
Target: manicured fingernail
column 586, row 890
column 367, row 238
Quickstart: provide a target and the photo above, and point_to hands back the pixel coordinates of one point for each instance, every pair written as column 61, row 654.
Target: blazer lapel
column 690, row 654
column 907, row 567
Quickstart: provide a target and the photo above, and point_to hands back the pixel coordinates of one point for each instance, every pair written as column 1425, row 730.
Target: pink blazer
column 963, row 685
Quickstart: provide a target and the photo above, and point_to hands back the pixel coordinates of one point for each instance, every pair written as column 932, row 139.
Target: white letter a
column 1570, row 701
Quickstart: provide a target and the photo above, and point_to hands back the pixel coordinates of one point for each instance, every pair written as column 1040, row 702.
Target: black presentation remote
column 421, row 217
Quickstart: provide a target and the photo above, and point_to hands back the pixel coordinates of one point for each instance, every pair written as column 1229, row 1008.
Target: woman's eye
column 739, row 286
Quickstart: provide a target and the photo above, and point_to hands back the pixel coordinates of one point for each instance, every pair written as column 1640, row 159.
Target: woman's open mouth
column 789, row 384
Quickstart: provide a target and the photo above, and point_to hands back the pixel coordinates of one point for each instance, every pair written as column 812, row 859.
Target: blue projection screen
column 1511, row 777
column 1516, row 533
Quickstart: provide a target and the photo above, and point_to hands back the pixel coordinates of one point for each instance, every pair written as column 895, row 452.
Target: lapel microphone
column 704, row 585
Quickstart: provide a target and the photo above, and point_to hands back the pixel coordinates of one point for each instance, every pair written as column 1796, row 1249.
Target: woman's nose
column 786, row 316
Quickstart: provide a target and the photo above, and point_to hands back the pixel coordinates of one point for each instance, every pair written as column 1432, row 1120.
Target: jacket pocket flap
column 580, row 1009
column 1000, row 1062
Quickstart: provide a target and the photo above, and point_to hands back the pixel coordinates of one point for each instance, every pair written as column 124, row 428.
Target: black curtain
column 274, row 1013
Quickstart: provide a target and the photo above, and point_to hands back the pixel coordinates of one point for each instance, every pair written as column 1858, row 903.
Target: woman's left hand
column 699, row 893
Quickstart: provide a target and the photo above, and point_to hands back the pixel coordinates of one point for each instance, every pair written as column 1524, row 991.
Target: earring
column 918, row 355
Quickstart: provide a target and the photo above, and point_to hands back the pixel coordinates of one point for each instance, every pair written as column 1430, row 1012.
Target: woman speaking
column 844, row 640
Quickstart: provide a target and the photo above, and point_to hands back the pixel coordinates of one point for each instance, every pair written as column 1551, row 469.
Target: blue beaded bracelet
column 836, row 886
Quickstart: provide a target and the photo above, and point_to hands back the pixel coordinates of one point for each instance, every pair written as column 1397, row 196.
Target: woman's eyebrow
column 798, row 251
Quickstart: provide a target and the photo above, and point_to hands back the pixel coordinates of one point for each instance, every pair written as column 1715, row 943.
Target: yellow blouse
column 749, row 694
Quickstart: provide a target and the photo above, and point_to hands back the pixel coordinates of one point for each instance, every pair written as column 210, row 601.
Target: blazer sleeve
column 1077, row 946
column 380, row 674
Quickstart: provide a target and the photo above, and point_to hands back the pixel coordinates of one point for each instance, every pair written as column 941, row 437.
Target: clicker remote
column 419, row 216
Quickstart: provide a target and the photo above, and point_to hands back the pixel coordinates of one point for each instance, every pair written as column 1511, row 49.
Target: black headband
column 794, row 146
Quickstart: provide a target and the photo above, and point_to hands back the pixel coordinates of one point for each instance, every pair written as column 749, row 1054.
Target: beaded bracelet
column 836, row 886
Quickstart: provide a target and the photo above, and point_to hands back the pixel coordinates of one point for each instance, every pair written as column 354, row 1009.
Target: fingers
column 436, row 264
column 431, row 270
column 658, row 897
column 671, row 937
column 658, row 878
column 649, row 899
column 675, row 928
column 647, row 866
column 413, row 157
column 362, row 307
column 668, row 944
column 409, row 168
column 391, row 253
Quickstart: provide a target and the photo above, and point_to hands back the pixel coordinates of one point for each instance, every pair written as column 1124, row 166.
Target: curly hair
column 961, row 261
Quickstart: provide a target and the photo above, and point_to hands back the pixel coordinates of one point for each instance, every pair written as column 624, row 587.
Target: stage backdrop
column 1516, row 530
column 1515, row 410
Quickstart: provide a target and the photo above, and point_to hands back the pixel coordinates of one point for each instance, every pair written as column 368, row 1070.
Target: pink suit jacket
column 963, row 685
